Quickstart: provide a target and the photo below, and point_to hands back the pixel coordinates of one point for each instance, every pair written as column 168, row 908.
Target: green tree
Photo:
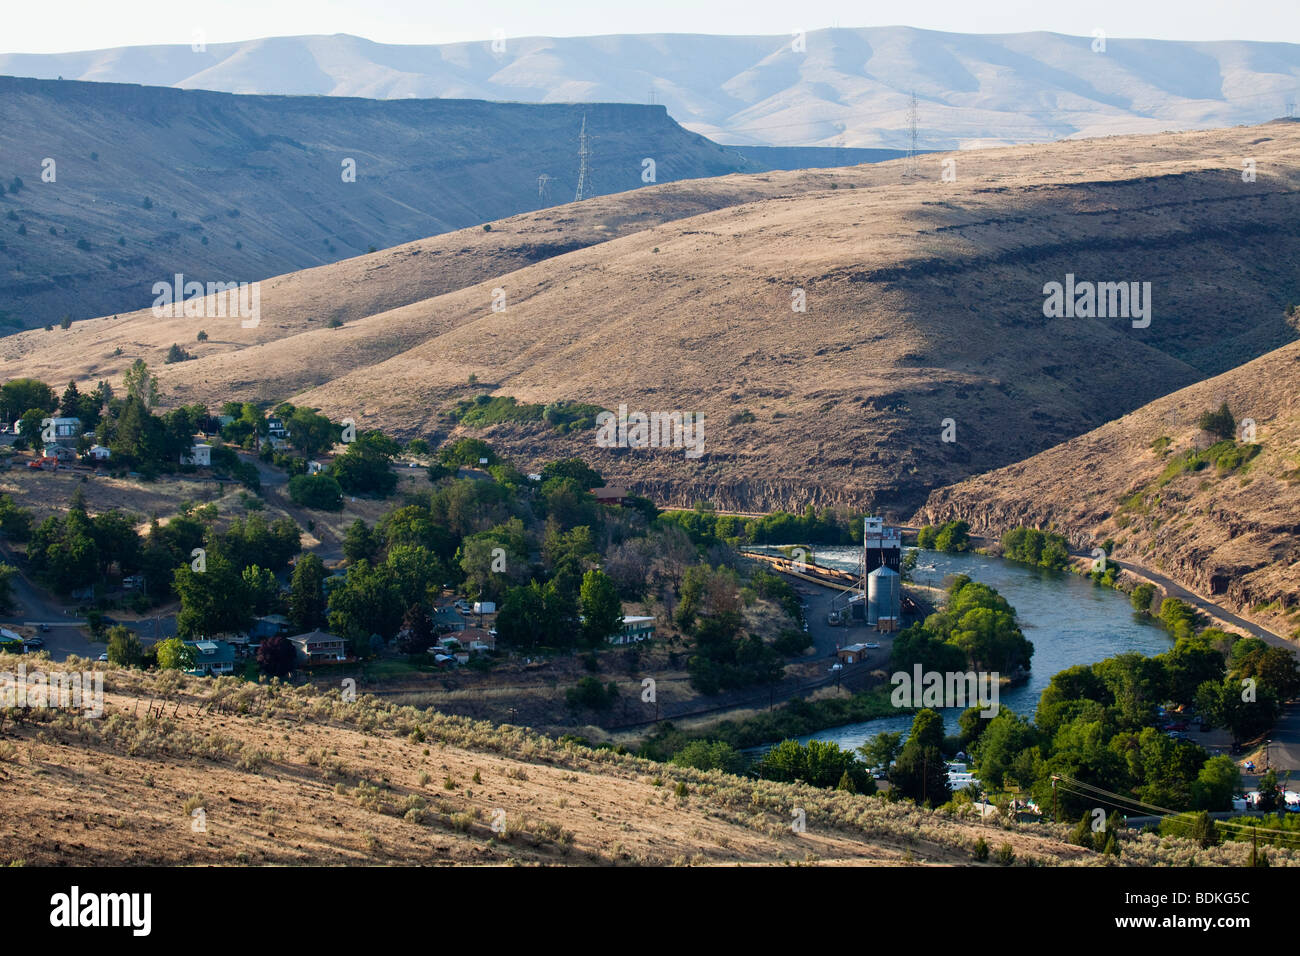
column 141, row 384
column 882, row 749
column 307, row 593
column 366, row 467
column 20, row 394
column 311, row 432
column 316, row 491
column 261, row 588
column 214, row 600
column 1142, row 597
column 602, row 611
column 175, row 654
column 819, row 763
column 1218, row 423
column 710, row 755
column 366, row 603
column 124, row 648
column 360, row 543
column 1215, row 784
column 7, row 573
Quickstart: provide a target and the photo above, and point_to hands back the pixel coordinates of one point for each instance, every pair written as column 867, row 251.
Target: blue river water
column 1069, row 619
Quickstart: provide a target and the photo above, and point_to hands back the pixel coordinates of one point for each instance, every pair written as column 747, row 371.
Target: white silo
column 883, row 595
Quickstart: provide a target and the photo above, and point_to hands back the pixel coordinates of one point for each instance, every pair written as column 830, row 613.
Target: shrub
column 1005, row 855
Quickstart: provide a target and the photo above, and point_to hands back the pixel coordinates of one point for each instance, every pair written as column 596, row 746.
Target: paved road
column 1174, row 589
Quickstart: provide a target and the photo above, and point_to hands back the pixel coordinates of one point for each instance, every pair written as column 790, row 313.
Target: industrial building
column 876, row 599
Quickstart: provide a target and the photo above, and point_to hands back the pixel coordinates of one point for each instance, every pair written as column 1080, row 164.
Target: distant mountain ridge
column 152, row 181
column 832, row 87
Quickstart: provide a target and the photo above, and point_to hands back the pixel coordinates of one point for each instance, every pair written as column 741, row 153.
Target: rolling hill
column 150, row 181
column 213, row 772
column 845, row 87
column 1229, row 532
column 924, row 302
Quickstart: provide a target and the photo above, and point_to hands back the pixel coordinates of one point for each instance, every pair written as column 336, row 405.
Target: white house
column 314, row 468
column 100, row 453
column 634, row 629
column 200, row 454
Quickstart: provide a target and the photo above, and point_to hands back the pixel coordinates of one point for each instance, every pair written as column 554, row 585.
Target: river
column 1069, row 619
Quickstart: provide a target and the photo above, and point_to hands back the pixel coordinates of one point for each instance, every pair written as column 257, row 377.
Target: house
column 100, row 453
column 610, row 495
column 314, row 468
column 448, row 619
column 212, row 657
column 318, row 647
column 634, row 629
column 852, row 654
column 200, row 454
column 269, row 625
column 64, row 429
column 133, row 582
column 477, row 639
column 277, row 442
column 63, row 453
column 275, row 428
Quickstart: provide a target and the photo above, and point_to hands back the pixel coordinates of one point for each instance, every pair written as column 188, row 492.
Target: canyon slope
column 923, row 316
column 124, row 186
column 1228, row 531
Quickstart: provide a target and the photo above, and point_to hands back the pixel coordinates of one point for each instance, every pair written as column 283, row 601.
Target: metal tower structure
column 544, row 189
column 913, row 118
column 584, row 157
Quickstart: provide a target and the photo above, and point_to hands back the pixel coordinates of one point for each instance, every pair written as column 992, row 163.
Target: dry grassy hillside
column 1231, row 533
column 924, row 302
column 284, row 776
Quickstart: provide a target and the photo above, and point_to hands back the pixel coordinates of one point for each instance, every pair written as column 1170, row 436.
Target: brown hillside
column 1234, row 534
column 924, row 302
column 287, row 776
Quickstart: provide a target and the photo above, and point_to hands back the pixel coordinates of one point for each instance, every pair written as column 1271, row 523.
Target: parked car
column 872, row 645
column 103, row 658
column 34, row 642
column 43, row 628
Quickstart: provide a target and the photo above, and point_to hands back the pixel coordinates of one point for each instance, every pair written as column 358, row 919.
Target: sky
column 93, row 24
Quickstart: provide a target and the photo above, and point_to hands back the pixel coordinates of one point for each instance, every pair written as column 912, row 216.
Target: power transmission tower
column 1290, row 107
column 584, row 156
column 913, row 117
column 544, row 189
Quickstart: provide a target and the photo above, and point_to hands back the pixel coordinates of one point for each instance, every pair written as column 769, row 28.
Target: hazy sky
column 93, row 24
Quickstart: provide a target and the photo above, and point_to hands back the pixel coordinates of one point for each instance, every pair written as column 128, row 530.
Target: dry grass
column 76, row 794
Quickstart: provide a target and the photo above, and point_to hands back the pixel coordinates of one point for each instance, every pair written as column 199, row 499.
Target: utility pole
column 1054, row 779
